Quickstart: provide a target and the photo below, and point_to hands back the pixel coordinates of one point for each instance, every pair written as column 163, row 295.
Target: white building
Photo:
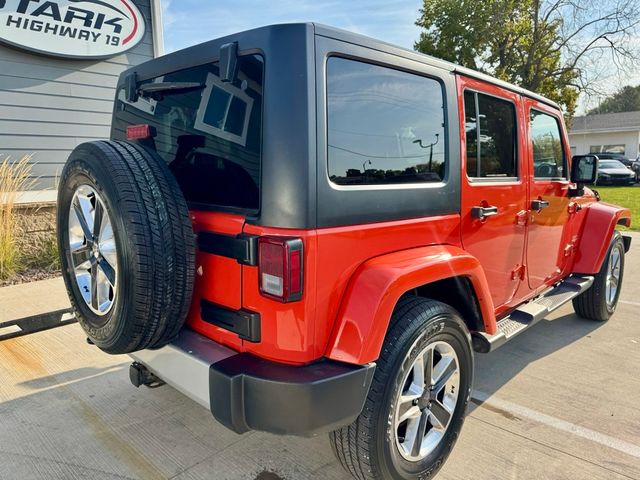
column 608, row 132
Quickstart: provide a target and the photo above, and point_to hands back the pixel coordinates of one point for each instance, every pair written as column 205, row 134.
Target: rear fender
column 597, row 230
column 378, row 284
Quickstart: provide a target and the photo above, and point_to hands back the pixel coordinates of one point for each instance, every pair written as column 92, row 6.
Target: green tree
column 547, row 46
column 627, row 99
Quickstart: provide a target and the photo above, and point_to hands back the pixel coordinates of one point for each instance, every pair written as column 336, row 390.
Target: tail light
column 280, row 262
column 140, row 132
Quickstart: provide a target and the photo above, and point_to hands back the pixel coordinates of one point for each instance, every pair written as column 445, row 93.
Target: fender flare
column 378, row 284
column 596, row 232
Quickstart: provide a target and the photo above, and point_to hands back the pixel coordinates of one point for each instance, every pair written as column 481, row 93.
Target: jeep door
column 548, row 153
column 494, row 191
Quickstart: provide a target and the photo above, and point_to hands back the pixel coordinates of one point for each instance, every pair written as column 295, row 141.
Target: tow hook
column 140, row 375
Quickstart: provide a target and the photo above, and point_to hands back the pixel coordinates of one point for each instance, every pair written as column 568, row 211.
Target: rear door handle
column 538, row 205
column 481, row 213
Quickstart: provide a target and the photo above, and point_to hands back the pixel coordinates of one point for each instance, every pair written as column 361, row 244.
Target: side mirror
column 584, row 169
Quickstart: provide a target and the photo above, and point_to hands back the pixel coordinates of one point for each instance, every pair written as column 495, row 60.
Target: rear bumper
column 246, row 393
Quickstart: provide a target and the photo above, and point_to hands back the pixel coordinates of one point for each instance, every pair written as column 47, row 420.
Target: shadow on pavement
column 495, row 369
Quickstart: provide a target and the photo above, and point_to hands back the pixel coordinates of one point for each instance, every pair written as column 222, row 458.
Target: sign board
column 72, row 28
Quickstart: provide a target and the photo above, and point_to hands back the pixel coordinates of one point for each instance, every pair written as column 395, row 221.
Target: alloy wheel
column 94, row 254
column 426, row 401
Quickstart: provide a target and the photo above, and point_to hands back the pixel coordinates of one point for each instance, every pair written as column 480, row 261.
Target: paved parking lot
column 561, row 401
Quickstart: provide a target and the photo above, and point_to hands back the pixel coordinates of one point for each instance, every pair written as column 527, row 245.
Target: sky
column 189, row 22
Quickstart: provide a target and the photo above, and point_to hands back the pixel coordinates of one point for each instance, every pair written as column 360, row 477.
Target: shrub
column 14, row 177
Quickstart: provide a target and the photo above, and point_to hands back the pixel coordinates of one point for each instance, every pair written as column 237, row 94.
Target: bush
column 14, row 177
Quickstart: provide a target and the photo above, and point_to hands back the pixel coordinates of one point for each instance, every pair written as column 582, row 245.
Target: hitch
column 140, row 375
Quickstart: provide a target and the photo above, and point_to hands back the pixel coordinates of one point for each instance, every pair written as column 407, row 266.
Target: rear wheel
column 600, row 300
column 126, row 246
column 418, row 398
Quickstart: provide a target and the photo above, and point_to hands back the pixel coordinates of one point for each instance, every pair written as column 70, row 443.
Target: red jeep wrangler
column 365, row 218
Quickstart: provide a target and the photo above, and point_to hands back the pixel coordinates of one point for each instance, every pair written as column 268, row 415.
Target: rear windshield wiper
column 157, row 91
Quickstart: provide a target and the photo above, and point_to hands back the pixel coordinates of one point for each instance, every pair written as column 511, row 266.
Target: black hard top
column 170, row 61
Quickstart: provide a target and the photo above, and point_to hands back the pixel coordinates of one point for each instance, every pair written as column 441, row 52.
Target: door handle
column 481, row 213
column 537, row 205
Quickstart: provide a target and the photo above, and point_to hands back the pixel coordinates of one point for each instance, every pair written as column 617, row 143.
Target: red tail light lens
column 140, row 132
column 280, row 268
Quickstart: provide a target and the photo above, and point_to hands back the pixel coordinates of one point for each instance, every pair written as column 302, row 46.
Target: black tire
column 367, row 448
column 592, row 304
column 154, row 241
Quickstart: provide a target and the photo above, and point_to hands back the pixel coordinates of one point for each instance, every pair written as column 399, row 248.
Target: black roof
column 368, row 42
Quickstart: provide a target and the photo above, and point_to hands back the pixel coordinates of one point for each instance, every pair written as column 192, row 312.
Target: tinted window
column 384, row 126
column 548, row 154
column 490, row 125
column 610, row 164
column 210, row 135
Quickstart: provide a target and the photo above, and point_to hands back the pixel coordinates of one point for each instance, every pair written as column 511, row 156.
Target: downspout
column 158, row 28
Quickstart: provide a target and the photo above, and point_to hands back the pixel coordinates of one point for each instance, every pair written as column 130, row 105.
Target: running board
column 530, row 313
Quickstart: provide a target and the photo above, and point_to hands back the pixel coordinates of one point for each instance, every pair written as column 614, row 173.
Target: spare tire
column 127, row 247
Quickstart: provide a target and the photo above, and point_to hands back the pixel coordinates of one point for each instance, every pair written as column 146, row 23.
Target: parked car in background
column 635, row 166
column 614, row 172
column 615, row 156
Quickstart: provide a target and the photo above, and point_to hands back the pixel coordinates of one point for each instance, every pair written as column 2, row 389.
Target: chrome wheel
column 613, row 275
column 93, row 250
column 426, row 401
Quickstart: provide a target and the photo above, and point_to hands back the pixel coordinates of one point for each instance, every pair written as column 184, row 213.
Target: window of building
column 619, row 149
column 490, row 126
column 548, row 153
column 384, row 126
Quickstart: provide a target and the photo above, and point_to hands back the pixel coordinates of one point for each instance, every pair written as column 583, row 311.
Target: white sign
column 72, row 28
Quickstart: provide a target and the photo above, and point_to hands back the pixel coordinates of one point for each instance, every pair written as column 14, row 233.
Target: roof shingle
column 606, row 121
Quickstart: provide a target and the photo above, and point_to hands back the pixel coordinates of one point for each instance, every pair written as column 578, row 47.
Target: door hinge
column 518, row 272
column 574, row 208
column 522, row 218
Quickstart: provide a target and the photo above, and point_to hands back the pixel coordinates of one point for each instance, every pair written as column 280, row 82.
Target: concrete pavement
column 561, row 401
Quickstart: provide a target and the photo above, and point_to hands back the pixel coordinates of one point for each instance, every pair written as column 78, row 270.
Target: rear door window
column 490, row 126
column 385, row 126
column 210, row 134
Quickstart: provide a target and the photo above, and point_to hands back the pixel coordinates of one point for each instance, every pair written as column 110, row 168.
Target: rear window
column 384, row 126
column 209, row 134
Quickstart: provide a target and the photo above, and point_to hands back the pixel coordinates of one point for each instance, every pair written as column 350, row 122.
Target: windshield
column 611, row 164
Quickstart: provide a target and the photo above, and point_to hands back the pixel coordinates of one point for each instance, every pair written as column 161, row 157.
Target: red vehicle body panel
column 218, row 279
column 601, row 219
column 354, row 275
column 548, row 230
column 377, row 285
column 498, row 242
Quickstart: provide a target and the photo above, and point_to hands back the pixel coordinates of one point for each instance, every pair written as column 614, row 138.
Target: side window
column 548, row 154
column 384, row 126
column 490, row 125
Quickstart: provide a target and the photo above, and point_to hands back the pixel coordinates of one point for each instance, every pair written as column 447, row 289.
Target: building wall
column 582, row 142
column 50, row 105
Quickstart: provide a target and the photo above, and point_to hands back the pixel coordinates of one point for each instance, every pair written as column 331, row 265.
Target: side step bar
column 531, row 313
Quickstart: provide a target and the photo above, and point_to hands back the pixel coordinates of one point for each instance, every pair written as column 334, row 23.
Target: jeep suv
column 307, row 230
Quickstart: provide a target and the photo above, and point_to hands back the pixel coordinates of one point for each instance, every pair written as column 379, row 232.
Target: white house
column 607, row 132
